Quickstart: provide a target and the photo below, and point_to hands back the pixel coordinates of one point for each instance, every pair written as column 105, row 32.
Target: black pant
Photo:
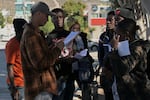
column 69, row 90
column 70, row 87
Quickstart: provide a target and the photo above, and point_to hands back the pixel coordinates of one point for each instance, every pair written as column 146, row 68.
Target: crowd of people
column 46, row 67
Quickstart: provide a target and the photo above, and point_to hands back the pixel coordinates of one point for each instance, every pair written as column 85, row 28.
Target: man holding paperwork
column 104, row 48
column 129, row 67
column 64, row 64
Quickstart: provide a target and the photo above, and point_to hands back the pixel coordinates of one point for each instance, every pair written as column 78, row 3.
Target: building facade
column 97, row 13
column 22, row 8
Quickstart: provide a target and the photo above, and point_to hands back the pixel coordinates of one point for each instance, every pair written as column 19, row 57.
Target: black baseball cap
column 42, row 7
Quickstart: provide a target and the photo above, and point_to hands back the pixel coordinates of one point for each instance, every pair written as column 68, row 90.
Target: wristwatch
column 114, row 49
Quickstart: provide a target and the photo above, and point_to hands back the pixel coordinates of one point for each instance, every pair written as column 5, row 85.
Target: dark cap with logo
column 42, row 7
column 125, row 12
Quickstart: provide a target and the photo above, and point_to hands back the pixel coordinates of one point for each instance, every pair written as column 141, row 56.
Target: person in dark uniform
column 104, row 48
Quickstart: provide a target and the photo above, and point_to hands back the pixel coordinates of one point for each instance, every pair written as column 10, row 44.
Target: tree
column 74, row 12
column 2, row 20
column 9, row 19
column 47, row 27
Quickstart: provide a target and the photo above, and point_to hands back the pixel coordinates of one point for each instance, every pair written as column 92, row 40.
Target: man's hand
column 59, row 43
column 14, row 93
column 115, row 41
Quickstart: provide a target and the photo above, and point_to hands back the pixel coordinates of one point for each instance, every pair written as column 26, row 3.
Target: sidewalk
column 2, row 45
column 4, row 93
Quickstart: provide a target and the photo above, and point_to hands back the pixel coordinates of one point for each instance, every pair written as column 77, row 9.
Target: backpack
column 86, row 71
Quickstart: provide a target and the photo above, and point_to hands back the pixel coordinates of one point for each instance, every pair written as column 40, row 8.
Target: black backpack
column 86, row 71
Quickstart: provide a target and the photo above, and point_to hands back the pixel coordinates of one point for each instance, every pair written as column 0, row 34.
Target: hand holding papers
column 68, row 42
column 81, row 54
column 123, row 48
column 70, row 37
column 65, row 52
column 60, row 43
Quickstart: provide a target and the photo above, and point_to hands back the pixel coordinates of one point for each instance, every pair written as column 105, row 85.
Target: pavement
column 2, row 45
column 4, row 93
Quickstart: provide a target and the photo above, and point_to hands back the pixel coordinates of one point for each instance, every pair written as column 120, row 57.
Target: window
column 100, row 15
column 28, row 7
column 101, row 8
column 19, row 7
column 94, row 15
column 19, row 0
column 94, row 8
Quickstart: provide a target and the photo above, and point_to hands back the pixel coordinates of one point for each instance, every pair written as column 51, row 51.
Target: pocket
column 86, row 72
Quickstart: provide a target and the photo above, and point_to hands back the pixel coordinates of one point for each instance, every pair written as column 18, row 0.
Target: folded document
column 81, row 54
column 70, row 37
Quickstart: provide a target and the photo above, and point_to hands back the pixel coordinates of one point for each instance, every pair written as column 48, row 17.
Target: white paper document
column 123, row 48
column 108, row 46
column 70, row 37
column 81, row 54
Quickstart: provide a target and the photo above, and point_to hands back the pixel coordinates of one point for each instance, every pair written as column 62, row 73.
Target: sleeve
column 10, row 54
column 100, row 52
column 123, row 65
column 84, row 39
column 147, row 48
column 40, row 55
column 148, row 65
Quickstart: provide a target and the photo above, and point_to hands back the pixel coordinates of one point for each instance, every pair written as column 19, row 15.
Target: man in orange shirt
column 15, row 78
